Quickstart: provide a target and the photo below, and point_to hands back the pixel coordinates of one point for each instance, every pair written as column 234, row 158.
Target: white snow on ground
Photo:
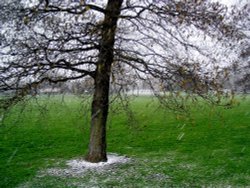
column 77, row 167
column 112, row 159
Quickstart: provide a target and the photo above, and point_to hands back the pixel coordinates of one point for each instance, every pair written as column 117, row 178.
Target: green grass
column 210, row 147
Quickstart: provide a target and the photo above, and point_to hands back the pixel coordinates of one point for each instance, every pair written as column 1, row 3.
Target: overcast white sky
column 232, row 2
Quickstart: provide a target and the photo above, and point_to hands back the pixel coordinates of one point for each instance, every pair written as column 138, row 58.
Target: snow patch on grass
column 77, row 167
column 112, row 159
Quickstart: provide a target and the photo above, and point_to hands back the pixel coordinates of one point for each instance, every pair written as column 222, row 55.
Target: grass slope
column 208, row 148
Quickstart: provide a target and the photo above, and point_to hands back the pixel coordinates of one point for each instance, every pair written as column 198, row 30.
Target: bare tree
column 57, row 41
column 238, row 73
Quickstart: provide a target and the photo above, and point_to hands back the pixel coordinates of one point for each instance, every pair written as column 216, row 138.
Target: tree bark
column 100, row 104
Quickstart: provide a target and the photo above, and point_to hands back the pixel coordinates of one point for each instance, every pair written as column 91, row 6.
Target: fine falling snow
column 180, row 136
column 1, row 118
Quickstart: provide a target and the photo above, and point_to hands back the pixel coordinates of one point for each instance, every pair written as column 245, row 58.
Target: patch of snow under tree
column 78, row 166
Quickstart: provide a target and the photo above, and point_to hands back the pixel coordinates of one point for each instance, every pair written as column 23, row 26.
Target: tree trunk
column 100, row 104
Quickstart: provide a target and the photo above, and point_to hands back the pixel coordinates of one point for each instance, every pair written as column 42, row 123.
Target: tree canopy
column 173, row 45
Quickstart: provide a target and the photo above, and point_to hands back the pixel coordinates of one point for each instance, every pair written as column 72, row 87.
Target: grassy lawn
column 208, row 148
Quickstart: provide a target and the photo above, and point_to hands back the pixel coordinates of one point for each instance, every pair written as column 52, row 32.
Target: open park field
column 210, row 147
